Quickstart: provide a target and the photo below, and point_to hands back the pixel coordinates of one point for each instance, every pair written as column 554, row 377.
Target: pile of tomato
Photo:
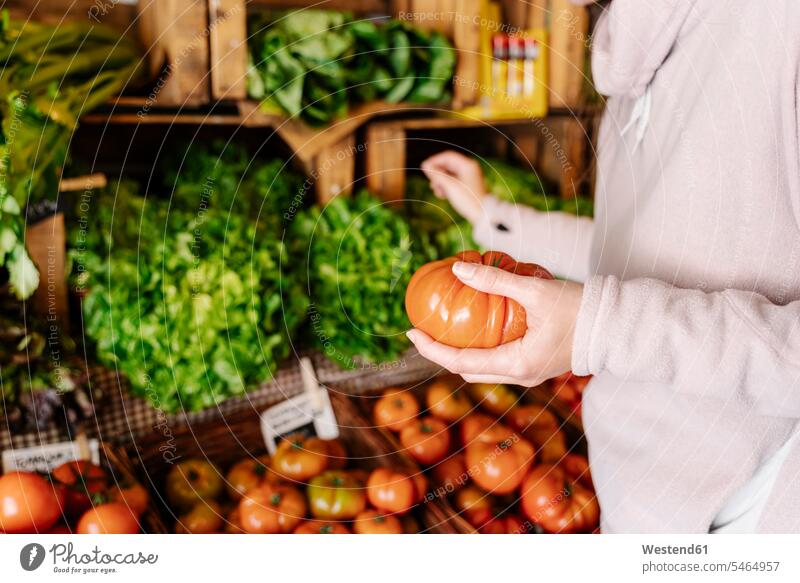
column 305, row 488
column 504, row 464
column 76, row 497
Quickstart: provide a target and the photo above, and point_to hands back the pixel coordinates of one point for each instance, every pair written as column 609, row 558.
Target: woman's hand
column 543, row 353
column 459, row 179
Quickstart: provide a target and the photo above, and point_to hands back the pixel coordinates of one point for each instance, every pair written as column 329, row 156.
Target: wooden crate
column 224, row 441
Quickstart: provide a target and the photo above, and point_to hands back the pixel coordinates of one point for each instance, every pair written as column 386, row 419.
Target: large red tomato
column 396, row 409
column 500, row 465
column 427, row 440
column 249, row 473
column 447, row 401
column 560, row 498
column 300, row 458
column 438, row 303
column 28, row 503
column 270, row 509
column 109, row 518
column 392, row 491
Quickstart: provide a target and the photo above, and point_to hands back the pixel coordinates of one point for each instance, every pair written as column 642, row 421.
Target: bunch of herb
column 50, row 76
column 311, row 64
column 223, row 175
column 193, row 306
column 359, row 258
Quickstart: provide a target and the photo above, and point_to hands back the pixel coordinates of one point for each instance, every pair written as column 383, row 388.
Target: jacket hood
column 631, row 41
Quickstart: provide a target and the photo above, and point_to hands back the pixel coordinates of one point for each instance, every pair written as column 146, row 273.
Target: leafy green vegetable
column 193, row 307
column 312, row 63
column 50, row 76
column 360, row 257
column 524, row 186
column 225, row 176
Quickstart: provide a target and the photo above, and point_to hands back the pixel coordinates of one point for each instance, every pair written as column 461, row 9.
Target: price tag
column 43, row 458
column 309, row 413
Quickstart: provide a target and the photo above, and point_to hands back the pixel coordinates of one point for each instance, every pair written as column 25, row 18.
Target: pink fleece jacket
column 690, row 319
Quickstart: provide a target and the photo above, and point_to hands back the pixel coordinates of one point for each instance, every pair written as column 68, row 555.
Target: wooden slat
column 467, row 40
column 117, row 15
column 46, row 242
column 386, row 161
column 335, row 169
column 176, row 34
column 569, row 29
column 228, row 48
column 537, row 14
column 358, row 6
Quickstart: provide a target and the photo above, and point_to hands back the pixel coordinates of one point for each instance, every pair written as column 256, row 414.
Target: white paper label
column 43, row 458
column 309, row 414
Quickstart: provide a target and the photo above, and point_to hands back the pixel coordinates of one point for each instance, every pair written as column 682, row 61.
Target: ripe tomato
column 249, row 473
column 272, row 509
column 474, row 505
column 392, row 491
column 81, row 479
column 132, row 495
column 28, row 503
column 541, row 427
column 300, row 458
column 560, row 498
column 483, row 426
column 204, row 518
column 321, row 527
column 336, row 495
column 451, row 472
column 496, row 399
column 396, row 409
column 373, row 522
column 337, row 454
column 427, row 440
column 109, row 518
column 507, row 524
column 500, row 465
column 447, row 402
column 438, row 303
column 191, row 481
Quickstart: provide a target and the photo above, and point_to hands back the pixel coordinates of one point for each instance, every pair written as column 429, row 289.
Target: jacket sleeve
column 560, row 242
column 704, row 344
